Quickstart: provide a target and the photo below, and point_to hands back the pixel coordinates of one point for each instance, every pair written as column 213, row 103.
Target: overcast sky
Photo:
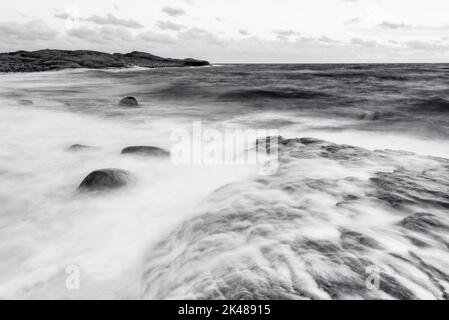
column 236, row 30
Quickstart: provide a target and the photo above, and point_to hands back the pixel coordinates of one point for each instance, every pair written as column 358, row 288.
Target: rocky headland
column 46, row 60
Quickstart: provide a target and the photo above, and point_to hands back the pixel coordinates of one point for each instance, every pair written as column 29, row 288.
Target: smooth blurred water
column 45, row 225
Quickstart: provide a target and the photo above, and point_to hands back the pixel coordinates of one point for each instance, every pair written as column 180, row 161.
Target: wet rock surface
column 148, row 151
column 283, row 236
column 105, row 179
column 423, row 222
column 128, row 102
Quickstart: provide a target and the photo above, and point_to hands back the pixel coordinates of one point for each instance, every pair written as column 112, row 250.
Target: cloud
column 364, row 43
column 150, row 36
column 327, row 39
column 427, row 46
column 393, row 26
column 173, row 12
column 82, row 33
column 244, row 32
column 168, row 25
column 105, row 34
column 62, row 15
column 34, row 30
column 285, row 34
column 352, row 21
column 110, row 19
column 200, row 36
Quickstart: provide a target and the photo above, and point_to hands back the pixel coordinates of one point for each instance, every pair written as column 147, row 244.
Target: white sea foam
column 45, row 225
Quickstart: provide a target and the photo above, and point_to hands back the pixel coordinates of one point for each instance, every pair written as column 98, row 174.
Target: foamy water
column 200, row 231
column 47, row 226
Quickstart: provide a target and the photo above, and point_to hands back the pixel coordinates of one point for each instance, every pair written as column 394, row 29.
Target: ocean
column 358, row 210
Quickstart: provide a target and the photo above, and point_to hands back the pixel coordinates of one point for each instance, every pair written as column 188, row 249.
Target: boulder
column 149, row 151
column 129, row 102
column 105, row 179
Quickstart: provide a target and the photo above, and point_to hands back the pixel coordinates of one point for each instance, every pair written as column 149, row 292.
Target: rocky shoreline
column 46, row 60
column 314, row 230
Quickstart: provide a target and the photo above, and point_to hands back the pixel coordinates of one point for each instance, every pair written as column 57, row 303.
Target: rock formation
column 147, row 151
column 105, row 179
column 45, row 60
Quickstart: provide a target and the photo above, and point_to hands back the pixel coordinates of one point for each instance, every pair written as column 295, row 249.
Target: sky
column 236, row 31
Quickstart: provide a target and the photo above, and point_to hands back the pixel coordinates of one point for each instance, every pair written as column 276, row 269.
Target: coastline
column 111, row 69
column 55, row 60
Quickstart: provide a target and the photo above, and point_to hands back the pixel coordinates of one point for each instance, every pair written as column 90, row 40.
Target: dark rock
column 307, row 140
column 195, row 63
column 406, row 187
column 281, row 141
column 146, row 60
column 78, row 147
column 44, row 60
column 422, row 222
column 105, row 179
column 25, row 102
column 338, row 288
column 357, row 241
column 394, row 288
column 418, row 242
column 322, row 246
column 147, row 151
column 129, row 102
column 350, row 197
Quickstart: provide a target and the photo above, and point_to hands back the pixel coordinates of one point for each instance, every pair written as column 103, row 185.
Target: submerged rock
column 105, row 179
column 78, row 147
column 26, row 102
column 149, row 151
column 129, row 102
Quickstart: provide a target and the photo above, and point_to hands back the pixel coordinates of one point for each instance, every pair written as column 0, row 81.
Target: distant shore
column 47, row 60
